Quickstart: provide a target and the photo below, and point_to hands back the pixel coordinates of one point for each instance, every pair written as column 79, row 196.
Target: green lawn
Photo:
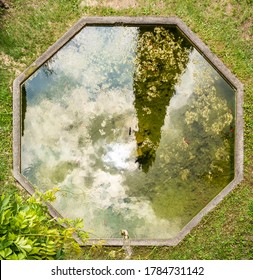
column 29, row 27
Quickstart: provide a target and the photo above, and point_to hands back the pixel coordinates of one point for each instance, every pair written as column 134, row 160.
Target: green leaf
column 14, row 256
column 5, row 253
column 22, row 244
column 4, row 242
column 5, row 217
column 4, row 202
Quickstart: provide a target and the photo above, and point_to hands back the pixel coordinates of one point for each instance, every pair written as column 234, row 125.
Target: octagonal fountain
column 136, row 122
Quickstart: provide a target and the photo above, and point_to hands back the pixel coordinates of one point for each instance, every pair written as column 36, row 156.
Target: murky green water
column 133, row 126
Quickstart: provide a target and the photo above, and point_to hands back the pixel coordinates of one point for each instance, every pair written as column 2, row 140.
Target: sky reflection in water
column 79, row 134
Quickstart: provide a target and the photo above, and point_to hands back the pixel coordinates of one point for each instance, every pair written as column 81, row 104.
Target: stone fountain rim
column 135, row 21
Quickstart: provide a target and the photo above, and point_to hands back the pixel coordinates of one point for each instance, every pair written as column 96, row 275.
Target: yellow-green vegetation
column 29, row 27
column 27, row 231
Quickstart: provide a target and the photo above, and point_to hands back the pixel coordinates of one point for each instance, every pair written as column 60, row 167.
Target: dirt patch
column 160, row 5
column 10, row 64
column 247, row 29
column 115, row 4
column 229, row 9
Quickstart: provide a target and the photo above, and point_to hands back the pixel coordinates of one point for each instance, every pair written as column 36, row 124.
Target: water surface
column 133, row 125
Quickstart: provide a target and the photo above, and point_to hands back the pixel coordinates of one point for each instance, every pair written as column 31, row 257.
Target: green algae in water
column 136, row 129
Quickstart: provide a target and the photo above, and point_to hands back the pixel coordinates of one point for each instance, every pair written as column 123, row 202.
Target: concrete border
column 135, row 21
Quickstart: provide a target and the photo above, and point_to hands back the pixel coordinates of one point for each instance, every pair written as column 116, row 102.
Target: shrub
column 28, row 232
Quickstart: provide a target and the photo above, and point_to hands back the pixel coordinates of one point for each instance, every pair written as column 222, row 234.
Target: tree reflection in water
column 161, row 59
